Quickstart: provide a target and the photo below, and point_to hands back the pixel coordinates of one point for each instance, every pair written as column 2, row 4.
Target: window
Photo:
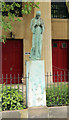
column 54, row 45
column 64, row 45
column 59, row 10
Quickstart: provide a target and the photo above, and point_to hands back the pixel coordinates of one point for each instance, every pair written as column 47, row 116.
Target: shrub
column 12, row 99
column 57, row 96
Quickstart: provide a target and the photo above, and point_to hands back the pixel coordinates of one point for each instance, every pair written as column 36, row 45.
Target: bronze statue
column 37, row 27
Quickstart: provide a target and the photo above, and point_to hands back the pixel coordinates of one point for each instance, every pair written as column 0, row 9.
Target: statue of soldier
column 37, row 27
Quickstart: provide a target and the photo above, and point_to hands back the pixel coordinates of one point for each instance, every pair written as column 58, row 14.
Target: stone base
column 35, row 83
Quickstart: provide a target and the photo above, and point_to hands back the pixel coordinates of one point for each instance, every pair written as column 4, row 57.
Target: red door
column 60, row 58
column 12, row 60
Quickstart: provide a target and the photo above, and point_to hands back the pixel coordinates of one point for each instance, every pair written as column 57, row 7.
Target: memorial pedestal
column 35, row 83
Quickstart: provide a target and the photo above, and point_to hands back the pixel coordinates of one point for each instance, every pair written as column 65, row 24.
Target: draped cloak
column 37, row 27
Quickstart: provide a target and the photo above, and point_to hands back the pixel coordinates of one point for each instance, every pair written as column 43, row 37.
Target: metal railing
column 57, row 89
column 13, row 91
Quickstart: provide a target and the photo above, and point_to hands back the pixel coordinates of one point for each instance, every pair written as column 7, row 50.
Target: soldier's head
column 38, row 14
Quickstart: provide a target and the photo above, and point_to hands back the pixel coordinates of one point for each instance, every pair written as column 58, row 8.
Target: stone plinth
column 35, row 83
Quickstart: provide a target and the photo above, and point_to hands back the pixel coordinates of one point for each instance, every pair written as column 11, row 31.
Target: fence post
column 10, row 84
column 18, row 83
column 54, row 84
column 47, row 80
column 68, row 77
column 14, row 81
column 58, row 88
column 1, row 91
column 61, row 87
column 6, row 83
column 22, row 83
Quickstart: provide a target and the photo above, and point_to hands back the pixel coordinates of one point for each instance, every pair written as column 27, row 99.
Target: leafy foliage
column 12, row 99
column 14, row 10
column 67, row 3
column 57, row 95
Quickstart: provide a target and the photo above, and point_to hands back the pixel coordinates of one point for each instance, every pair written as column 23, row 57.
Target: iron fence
column 12, row 92
column 57, row 88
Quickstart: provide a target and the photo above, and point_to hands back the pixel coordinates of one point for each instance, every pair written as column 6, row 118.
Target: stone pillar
column 35, row 83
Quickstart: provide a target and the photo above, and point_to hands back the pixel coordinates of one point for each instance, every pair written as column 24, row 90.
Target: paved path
column 38, row 112
column 49, row 113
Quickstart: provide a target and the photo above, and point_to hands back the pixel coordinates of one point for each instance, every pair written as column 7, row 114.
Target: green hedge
column 57, row 95
column 12, row 99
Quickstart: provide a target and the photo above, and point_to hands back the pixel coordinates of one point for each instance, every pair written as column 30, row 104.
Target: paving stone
column 58, row 112
column 38, row 112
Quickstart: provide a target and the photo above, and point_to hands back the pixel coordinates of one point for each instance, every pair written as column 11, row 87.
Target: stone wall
column 54, row 29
